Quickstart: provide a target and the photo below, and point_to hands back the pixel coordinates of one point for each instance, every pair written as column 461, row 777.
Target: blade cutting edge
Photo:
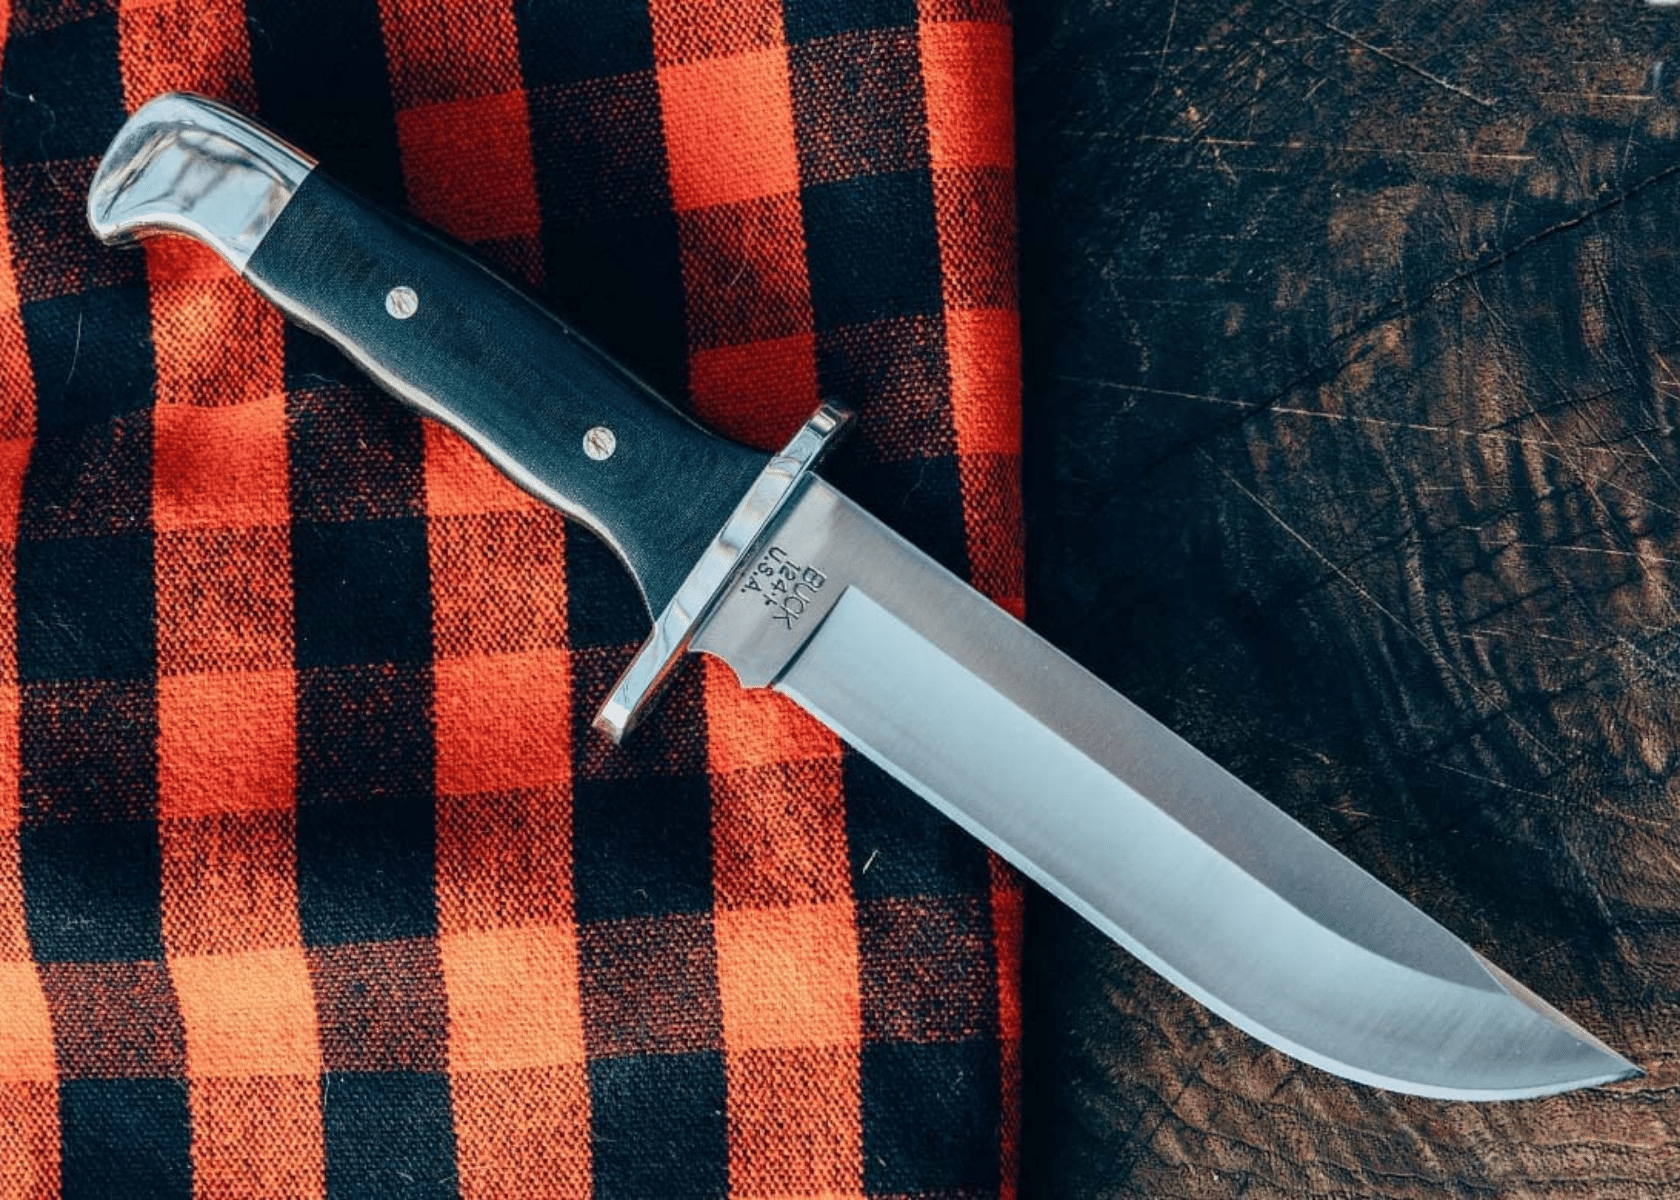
column 1155, row 844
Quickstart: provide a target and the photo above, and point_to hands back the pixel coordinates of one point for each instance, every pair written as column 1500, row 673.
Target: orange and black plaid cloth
column 313, row 877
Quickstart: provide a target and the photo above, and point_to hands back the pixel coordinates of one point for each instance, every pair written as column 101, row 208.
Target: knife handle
column 436, row 329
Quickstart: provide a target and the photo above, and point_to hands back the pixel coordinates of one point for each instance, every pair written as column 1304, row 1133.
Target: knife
column 758, row 561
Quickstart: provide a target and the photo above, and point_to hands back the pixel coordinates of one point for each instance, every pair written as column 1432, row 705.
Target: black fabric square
column 85, row 370
column 598, row 148
column 125, row 1137
column 86, row 608
column 619, row 283
column 363, row 731
column 609, row 238
column 931, row 1115
column 859, row 275
column 557, row 48
column 893, row 373
column 92, row 891
column 918, row 498
column 604, row 608
column 64, row 92
column 90, row 482
column 362, row 592
column 658, row 1126
column 321, row 80
column 670, row 743
column 643, row 847
column 356, row 454
column 313, row 364
column 388, row 1134
column 909, row 847
column 857, row 105
column 37, row 16
column 366, row 841
column 806, row 19
column 56, row 257
column 364, row 869
column 89, row 751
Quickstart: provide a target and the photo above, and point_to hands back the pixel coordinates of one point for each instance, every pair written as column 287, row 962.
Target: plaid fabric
column 313, row 878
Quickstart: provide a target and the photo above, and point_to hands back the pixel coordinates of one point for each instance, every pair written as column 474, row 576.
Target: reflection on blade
column 1147, row 838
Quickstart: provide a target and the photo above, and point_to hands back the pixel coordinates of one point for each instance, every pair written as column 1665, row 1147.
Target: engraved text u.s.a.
column 787, row 588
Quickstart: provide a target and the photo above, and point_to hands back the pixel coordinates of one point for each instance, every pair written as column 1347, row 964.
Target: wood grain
column 1353, row 368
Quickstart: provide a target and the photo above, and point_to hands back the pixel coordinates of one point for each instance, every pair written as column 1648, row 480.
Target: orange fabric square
column 752, row 728
column 729, row 128
column 224, row 600
column 967, row 75
column 984, row 346
column 185, row 45
column 11, row 764
column 220, row 467
column 513, row 998
column 440, row 52
column 468, row 167
column 14, row 928
column 788, row 976
column 218, row 342
column 522, row 1133
column 503, row 721
column 258, row 1137
column 805, row 1107
column 26, row 1040
column 230, row 883
column 8, row 615
column 461, row 481
column 758, row 393
column 14, row 458
column 29, row 1141
column 226, row 743
column 247, row 1014
column 177, row 260
column 1009, row 917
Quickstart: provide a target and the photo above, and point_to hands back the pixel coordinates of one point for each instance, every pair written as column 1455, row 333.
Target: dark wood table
column 1353, row 419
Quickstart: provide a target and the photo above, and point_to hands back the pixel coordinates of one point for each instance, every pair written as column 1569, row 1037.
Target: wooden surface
column 1353, row 370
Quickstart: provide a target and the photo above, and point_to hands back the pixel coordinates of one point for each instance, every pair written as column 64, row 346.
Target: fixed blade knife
column 755, row 559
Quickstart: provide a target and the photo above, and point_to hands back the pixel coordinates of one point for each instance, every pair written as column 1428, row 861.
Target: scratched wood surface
column 1353, row 368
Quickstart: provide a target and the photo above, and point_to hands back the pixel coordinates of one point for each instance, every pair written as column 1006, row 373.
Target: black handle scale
column 524, row 388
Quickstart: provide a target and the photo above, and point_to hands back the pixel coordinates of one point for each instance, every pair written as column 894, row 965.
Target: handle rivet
column 402, row 302
column 599, row 443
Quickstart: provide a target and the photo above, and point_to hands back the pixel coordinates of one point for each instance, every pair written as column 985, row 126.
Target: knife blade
column 760, row 562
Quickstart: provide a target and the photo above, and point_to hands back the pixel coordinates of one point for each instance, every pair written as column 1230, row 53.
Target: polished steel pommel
column 184, row 164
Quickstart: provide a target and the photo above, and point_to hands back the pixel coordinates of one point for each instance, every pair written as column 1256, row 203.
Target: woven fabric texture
column 314, row 879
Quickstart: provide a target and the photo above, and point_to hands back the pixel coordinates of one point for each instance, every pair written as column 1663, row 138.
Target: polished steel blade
column 1113, row 813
